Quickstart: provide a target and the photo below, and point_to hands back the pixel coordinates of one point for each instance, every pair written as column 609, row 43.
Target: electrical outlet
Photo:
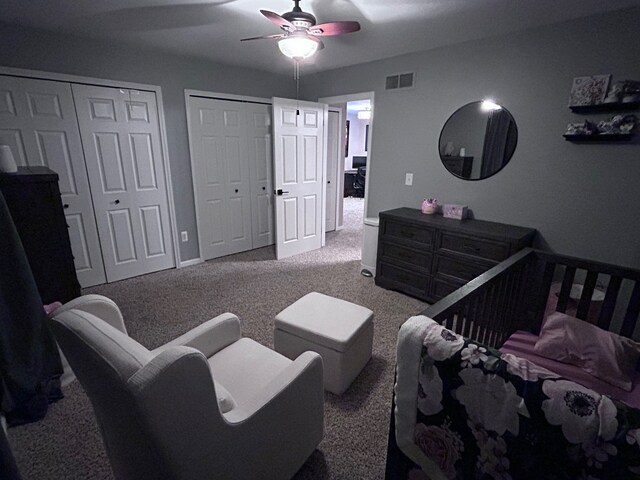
column 408, row 179
column 185, row 236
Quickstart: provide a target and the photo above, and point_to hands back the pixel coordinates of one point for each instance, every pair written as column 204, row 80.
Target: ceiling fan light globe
column 298, row 47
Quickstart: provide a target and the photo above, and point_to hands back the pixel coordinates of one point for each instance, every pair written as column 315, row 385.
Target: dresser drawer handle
column 407, row 233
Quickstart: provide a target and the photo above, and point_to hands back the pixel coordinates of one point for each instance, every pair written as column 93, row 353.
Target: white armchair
column 209, row 404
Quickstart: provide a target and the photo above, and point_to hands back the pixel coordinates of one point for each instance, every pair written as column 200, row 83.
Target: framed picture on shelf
column 589, row 90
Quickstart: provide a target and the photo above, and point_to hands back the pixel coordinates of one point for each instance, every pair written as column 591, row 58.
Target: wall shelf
column 602, row 138
column 605, row 107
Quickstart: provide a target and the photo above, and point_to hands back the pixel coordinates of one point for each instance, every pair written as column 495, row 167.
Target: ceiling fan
column 300, row 38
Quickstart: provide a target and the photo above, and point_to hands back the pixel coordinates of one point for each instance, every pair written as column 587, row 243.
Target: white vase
column 7, row 162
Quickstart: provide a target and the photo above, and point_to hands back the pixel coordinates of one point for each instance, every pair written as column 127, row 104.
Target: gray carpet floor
column 160, row 306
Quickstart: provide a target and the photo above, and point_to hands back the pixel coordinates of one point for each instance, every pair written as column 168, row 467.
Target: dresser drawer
column 441, row 288
column 407, row 232
column 458, row 268
column 392, row 276
column 414, row 259
column 488, row 249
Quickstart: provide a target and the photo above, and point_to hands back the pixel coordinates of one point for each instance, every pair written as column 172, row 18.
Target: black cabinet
column 429, row 256
column 33, row 198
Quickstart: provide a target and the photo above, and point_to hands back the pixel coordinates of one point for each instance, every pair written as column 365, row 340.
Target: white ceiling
column 212, row 29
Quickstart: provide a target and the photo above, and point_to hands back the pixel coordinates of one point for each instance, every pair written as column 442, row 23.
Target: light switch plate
column 408, row 179
column 185, row 236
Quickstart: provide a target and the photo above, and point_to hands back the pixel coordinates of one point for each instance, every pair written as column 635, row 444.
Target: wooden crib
column 515, row 295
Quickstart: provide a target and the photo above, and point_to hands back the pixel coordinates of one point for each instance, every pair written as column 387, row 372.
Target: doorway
column 349, row 149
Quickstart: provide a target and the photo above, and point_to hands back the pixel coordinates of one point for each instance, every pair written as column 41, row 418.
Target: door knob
column 65, row 206
column 117, row 202
column 264, row 188
column 279, row 192
column 236, row 190
column 328, row 181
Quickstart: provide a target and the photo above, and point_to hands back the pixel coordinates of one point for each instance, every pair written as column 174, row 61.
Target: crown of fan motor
column 300, row 19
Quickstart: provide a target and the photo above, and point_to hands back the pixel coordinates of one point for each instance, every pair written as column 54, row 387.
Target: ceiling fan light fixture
column 298, row 46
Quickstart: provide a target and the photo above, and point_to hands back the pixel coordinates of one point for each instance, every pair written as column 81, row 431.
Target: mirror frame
column 515, row 145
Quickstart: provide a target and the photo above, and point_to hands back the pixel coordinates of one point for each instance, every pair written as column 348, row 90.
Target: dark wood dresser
column 429, row 256
column 33, row 198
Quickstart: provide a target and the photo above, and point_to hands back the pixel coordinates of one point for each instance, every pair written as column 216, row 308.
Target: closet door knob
column 117, row 202
column 264, row 188
column 65, row 206
column 236, row 190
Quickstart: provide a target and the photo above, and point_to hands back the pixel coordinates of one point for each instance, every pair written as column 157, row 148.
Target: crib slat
column 448, row 322
column 482, row 312
column 609, row 303
column 631, row 317
column 565, row 290
column 587, row 292
column 467, row 318
column 542, row 293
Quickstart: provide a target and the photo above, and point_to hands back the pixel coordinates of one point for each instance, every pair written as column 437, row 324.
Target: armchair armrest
column 209, row 337
column 102, row 307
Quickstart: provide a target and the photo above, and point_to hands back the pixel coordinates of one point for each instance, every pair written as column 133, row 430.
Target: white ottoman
column 341, row 332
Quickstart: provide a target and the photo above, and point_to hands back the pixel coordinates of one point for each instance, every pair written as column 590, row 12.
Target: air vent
column 399, row 81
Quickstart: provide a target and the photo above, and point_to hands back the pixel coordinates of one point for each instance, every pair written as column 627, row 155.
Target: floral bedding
column 466, row 411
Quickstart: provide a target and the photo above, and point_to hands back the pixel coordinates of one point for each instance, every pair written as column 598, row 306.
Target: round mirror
column 478, row 140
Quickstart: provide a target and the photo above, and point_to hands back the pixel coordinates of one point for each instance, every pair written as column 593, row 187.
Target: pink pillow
column 603, row 354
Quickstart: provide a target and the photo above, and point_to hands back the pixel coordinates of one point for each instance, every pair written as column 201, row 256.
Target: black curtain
column 499, row 142
column 30, row 365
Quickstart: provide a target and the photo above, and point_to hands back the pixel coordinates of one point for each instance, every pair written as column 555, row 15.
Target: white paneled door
column 333, row 155
column 121, row 140
column 221, row 148
column 258, row 118
column 221, row 176
column 299, row 143
column 38, row 122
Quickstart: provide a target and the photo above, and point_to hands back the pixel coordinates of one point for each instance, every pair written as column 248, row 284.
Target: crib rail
column 517, row 293
column 619, row 309
column 491, row 306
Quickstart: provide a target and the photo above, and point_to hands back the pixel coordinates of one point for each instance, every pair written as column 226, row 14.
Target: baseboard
column 189, row 263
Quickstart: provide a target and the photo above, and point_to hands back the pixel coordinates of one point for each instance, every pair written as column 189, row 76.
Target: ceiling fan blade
column 280, row 35
column 334, row 28
column 278, row 20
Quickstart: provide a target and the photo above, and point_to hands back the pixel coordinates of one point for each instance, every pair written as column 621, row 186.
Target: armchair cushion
column 246, row 367
column 225, row 400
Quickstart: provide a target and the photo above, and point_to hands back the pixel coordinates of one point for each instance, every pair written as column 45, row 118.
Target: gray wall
column 39, row 50
column 584, row 199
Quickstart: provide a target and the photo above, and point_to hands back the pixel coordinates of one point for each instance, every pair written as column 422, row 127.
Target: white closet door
column 333, row 149
column 121, row 140
column 299, row 143
column 218, row 136
column 38, row 122
column 259, row 148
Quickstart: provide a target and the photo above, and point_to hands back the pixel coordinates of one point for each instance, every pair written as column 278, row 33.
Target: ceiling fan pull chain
column 296, row 70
